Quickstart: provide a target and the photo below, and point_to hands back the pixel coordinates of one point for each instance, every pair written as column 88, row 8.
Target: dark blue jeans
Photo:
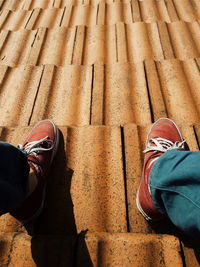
column 14, row 171
column 175, row 189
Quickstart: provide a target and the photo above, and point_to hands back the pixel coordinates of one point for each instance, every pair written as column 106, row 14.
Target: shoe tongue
column 45, row 144
column 34, row 163
column 32, row 158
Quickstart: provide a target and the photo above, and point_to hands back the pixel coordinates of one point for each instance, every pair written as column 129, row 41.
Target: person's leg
column 14, row 171
column 170, row 184
column 22, row 191
column 175, row 189
column 39, row 148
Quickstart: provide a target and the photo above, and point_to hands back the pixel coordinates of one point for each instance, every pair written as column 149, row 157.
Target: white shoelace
column 162, row 145
column 35, row 147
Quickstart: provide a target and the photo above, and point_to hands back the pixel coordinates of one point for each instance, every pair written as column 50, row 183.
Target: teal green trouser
column 175, row 189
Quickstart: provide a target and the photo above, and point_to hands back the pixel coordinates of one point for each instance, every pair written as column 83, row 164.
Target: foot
column 163, row 136
column 40, row 148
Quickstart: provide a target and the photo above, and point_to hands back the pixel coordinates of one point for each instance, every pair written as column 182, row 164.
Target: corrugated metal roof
column 103, row 71
column 83, row 95
column 112, row 43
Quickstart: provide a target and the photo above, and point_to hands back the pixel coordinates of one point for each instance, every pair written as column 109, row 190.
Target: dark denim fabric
column 14, row 171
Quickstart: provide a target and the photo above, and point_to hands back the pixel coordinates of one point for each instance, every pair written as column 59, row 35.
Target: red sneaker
column 40, row 147
column 163, row 136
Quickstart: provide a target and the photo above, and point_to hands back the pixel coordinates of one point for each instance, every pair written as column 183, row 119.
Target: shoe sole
column 140, row 208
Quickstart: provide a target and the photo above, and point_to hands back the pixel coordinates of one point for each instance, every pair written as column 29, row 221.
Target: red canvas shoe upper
column 40, row 147
column 163, row 136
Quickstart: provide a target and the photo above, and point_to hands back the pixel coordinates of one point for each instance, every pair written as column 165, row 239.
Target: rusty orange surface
column 104, row 71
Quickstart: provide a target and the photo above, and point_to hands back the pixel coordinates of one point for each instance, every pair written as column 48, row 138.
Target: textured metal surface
column 113, row 11
column 103, row 70
column 84, row 95
column 115, row 43
column 89, row 172
column 94, row 249
column 131, row 250
column 20, row 250
column 97, row 185
column 89, row 15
